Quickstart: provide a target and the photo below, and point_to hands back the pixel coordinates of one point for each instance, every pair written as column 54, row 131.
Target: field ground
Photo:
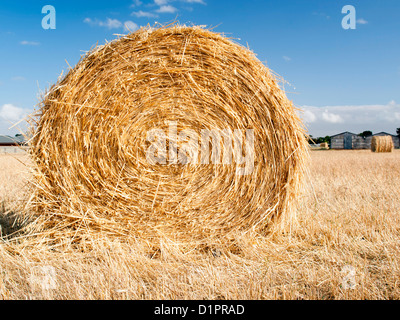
column 343, row 244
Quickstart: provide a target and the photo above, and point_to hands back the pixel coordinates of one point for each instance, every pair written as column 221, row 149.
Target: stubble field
column 344, row 243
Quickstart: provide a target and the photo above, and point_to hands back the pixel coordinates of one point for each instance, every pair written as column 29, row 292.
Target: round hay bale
column 324, row 145
column 110, row 155
column 382, row 144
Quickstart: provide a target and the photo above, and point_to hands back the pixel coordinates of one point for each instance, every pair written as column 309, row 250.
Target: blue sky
column 341, row 79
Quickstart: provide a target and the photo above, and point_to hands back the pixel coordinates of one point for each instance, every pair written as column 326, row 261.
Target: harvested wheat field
column 344, row 243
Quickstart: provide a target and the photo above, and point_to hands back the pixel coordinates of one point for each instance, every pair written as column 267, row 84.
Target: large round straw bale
column 95, row 129
column 382, row 144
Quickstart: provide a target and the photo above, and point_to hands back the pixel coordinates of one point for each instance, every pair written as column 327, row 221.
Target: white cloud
column 112, row 24
column 160, row 2
column 331, row 117
column 362, row 21
column 136, row 3
column 141, row 14
column 18, row 78
column 167, row 9
column 108, row 23
column 29, row 43
column 322, row 121
column 194, row 1
column 130, row 26
column 309, row 116
column 321, row 14
column 11, row 113
column 286, row 58
column 10, row 119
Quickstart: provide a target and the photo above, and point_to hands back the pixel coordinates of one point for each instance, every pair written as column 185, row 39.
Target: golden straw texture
column 382, row 144
column 91, row 136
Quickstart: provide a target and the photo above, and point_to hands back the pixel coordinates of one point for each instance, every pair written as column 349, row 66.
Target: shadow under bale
column 12, row 223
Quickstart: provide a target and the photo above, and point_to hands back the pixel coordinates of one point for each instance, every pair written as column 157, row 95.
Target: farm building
column 15, row 144
column 7, row 141
column 349, row 140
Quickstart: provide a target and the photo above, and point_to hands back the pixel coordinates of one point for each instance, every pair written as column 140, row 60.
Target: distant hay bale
column 94, row 131
column 324, row 145
column 382, row 144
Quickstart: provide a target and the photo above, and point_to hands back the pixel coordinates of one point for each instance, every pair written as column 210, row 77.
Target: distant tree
column 365, row 134
column 328, row 139
column 398, row 132
column 317, row 140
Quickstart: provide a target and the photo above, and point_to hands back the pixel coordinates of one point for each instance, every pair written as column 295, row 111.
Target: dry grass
column 348, row 221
